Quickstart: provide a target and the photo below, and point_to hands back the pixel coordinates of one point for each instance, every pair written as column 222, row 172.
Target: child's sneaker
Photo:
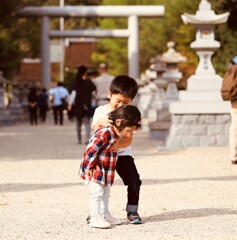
column 98, row 221
column 112, row 220
column 134, row 218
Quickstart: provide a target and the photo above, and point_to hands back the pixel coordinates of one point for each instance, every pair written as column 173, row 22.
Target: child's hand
column 115, row 146
column 90, row 173
column 104, row 121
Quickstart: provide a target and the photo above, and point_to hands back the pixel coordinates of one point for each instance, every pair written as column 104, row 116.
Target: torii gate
column 132, row 33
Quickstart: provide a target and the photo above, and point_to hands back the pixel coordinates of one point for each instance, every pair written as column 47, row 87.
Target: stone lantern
column 15, row 106
column 5, row 117
column 159, row 128
column 172, row 75
column 159, row 67
column 205, row 44
column 2, row 101
column 200, row 117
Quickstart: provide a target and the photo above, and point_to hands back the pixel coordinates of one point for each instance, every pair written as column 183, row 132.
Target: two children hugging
column 122, row 91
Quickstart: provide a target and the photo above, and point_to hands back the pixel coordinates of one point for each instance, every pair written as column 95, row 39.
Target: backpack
column 229, row 84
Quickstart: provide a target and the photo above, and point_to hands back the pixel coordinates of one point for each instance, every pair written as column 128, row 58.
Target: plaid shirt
column 98, row 156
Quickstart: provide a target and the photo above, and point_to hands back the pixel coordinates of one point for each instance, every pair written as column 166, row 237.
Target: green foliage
column 154, row 33
column 20, row 37
column 69, row 77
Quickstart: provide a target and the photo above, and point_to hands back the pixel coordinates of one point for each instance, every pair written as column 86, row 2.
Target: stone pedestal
column 199, row 124
column 200, row 118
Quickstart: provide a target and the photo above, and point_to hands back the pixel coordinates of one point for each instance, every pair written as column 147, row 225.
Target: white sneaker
column 109, row 218
column 98, row 221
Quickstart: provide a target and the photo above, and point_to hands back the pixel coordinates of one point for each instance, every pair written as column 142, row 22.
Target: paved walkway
column 186, row 194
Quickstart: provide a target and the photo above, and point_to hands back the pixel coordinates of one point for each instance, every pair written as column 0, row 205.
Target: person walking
column 102, row 83
column 43, row 104
column 99, row 161
column 80, row 101
column 58, row 95
column 122, row 91
column 233, row 126
column 33, row 102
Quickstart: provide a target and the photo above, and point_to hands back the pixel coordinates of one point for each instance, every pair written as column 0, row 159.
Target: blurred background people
column 43, row 104
column 33, row 105
column 102, row 83
column 81, row 98
column 58, row 96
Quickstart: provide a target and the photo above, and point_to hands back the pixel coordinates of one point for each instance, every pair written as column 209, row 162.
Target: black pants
column 127, row 170
column 43, row 113
column 58, row 110
column 33, row 115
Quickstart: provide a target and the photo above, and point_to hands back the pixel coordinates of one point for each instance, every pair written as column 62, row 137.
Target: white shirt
column 101, row 112
column 102, row 85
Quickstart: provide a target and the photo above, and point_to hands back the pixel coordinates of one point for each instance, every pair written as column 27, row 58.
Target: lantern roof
column 171, row 56
column 204, row 15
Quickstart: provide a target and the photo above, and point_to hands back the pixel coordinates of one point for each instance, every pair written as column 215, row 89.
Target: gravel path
column 186, row 193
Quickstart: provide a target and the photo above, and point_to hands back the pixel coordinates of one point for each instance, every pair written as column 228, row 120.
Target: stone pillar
column 45, row 53
column 133, row 46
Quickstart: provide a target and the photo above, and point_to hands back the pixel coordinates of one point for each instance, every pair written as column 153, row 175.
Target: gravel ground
column 186, row 193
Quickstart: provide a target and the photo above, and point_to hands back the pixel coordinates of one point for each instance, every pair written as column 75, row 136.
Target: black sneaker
column 134, row 218
column 88, row 219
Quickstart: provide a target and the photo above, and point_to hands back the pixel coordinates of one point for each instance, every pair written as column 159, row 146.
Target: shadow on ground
column 189, row 213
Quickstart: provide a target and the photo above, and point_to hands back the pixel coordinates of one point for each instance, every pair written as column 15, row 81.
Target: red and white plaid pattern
column 98, row 156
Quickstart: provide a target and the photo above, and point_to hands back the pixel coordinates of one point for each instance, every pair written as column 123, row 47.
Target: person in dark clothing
column 43, row 104
column 81, row 97
column 33, row 102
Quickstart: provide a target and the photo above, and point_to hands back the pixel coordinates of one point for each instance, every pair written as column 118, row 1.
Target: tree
column 20, row 37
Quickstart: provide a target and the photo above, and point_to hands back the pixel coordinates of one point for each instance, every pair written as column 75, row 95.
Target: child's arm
column 125, row 142
column 122, row 144
column 102, row 122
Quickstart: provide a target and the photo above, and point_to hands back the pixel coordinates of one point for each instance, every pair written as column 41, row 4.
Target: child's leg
column 104, row 206
column 96, row 193
column 128, row 172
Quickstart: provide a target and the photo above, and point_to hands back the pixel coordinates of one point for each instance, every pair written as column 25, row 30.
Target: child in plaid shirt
column 99, row 162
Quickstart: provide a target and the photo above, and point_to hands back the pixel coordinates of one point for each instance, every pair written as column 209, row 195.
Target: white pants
column 99, row 198
column 233, row 132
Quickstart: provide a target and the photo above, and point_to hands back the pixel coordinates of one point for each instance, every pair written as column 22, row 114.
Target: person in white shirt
column 102, row 84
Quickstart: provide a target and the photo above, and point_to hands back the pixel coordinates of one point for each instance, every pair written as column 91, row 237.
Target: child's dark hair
column 124, row 85
column 128, row 114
